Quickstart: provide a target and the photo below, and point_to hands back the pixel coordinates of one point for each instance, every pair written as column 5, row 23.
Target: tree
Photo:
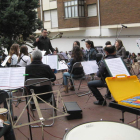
column 18, row 20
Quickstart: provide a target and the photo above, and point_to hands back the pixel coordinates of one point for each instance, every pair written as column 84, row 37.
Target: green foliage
column 18, row 19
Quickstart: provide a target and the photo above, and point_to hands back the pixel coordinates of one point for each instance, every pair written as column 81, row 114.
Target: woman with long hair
column 77, row 56
column 91, row 51
column 14, row 54
column 76, row 43
column 121, row 52
column 24, row 59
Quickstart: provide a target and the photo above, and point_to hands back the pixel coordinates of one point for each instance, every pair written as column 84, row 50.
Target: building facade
column 96, row 20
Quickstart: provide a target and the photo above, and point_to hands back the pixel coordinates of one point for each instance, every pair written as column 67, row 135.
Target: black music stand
column 124, row 109
column 61, row 56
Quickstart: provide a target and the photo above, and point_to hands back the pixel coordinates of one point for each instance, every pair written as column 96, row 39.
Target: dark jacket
column 39, row 70
column 76, row 71
column 91, row 54
column 102, row 72
column 44, row 44
column 121, row 52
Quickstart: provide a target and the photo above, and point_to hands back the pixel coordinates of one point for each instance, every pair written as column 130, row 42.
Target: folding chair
column 80, row 77
column 41, row 85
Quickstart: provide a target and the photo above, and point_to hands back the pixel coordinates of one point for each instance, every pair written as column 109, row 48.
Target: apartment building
column 96, row 20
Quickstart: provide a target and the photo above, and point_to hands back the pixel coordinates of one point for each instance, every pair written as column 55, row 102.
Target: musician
column 103, row 73
column 43, row 42
column 90, row 52
column 76, row 43
column 24, row 59
column 14, row 54
column 2, row 57
column 7, row 131
column 108, row 43
column 121, row 52
column 37, row 69
column 77, row 56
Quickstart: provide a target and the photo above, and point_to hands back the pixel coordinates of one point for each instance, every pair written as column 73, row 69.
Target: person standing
column 43, row 42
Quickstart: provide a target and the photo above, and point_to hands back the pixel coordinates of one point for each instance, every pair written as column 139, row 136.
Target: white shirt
column 14, row 59
column 24, row 60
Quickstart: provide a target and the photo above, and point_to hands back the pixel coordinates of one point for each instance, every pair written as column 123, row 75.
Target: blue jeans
column 65, row 80
column 93, row 87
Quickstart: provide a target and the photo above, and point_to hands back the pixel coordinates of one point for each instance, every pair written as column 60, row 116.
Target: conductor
column 43, row 42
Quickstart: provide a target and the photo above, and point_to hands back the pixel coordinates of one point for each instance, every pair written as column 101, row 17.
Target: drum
column 3, row 114
column 103, row 130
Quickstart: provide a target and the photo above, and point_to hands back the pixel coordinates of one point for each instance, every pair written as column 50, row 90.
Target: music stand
column 63, row 56
column 41, row 119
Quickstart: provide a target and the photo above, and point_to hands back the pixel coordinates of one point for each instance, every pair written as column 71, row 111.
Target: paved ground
column 91, row 112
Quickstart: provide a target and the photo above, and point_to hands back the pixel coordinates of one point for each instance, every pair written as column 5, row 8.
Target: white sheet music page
column 116, row 66
column 52, row 61
column 90, row 67
column 17, row 79
column 5, row 61
column 44, row 59
column 4, row 78
column 12, row 77
column 62, row 65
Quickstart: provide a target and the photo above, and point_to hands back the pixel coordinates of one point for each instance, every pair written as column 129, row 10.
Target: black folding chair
column 77, row 66
column 41, row 85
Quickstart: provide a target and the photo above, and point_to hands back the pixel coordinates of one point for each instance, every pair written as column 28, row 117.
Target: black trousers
column 7, row 132
column 93, row 85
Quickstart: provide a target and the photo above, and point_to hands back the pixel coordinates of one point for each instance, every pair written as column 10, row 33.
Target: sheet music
column 51, row 60
column 90, row 67
column 5, row 61
column 44, row 59
column 4, row 77
column 62, row 65
column 43, row 53
column 17, row 79
column 116, row 66
column 12, row 77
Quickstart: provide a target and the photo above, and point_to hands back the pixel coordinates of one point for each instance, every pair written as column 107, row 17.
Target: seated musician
column 24, row 58
column 6, row 130
column 91, row 52
column 120, row 49
column 103, row 73
column 77, row 56
column 37, row 69
column 14, row 54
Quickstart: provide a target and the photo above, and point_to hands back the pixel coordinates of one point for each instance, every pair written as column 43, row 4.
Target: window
column 51, row 16
column 92, row 10
column 74, row 8
column 54, row 18
column 47, row 16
